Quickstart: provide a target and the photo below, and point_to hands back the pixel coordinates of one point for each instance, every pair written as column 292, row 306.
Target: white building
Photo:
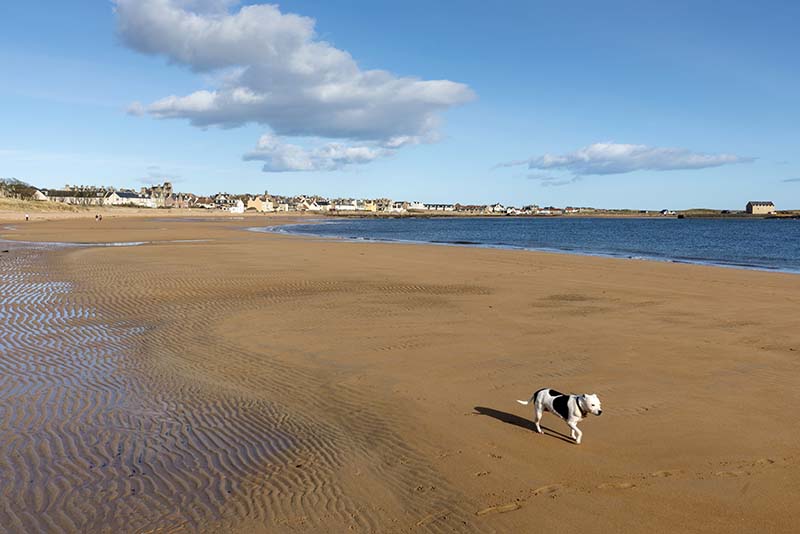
column 261, row 204
column 397, row 207
column 236, row 207
column 440, row 207
column 346, row 206
column 129, row 198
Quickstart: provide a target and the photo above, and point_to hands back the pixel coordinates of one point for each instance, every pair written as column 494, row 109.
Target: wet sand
column 251, row 382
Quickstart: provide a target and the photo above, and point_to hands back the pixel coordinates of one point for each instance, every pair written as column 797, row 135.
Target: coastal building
column 160, row 194
column 383, row 204
column 550, row 210
column 78, row 197
column 128, row 198
column 184, row 200
column 368, row 205
column 261, row 204
column 530, row 209
column 236, row 207
column 760, row 207
column 440, row 207
column 398, row 207
column 348, row 205
column 205, row 202
column 470, row 208
column 309, row 205
column 223, row 201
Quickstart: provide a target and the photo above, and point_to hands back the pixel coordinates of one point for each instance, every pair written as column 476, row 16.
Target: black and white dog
column 570, row 408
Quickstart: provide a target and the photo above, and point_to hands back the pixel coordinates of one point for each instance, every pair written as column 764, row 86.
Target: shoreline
column 282, row 224
column 285, row 229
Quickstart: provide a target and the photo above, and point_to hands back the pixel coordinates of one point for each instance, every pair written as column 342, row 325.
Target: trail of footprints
column 735, row 469
column 98, row 436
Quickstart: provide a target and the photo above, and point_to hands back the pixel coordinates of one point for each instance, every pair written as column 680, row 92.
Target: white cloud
column 136, row 109
column 616, row 158
column 280, row 156
column 274, row 70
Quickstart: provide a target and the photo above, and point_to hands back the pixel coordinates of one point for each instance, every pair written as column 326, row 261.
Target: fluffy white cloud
column 616, row 158
column 280, row 156
column 274, row 70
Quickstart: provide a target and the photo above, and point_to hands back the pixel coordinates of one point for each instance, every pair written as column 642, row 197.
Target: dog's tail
column 533, row 398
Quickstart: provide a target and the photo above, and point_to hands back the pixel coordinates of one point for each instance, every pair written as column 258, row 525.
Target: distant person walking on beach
column 27, row 217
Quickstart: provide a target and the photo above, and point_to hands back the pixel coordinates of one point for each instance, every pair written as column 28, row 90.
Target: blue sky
column 615, row 104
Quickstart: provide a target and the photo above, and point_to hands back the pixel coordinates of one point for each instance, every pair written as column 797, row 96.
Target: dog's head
column 591, row 403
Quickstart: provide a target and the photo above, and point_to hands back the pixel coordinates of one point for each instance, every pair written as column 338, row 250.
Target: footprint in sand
column 431, row 518
column 666, row 473
column 617, row 485
column 731, row 474
column 501, row 509
column 551, row 490
column 761, row 462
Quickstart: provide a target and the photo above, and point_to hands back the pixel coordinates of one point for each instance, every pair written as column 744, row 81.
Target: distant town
column 163, row 196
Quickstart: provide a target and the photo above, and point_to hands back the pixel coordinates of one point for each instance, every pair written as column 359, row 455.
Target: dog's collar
column 580, row 408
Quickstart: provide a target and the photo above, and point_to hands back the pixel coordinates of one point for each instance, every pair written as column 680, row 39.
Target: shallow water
column 765, row 244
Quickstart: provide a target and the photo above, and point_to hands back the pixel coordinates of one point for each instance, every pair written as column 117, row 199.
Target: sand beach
column 215, row 379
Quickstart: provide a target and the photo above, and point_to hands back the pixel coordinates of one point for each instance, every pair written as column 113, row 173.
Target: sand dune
column 264, row 383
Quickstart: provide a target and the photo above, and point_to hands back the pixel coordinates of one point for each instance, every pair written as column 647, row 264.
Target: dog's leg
column 538, row 411
column 575, row 432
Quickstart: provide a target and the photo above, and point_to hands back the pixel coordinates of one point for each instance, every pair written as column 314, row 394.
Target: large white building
column 129, row 198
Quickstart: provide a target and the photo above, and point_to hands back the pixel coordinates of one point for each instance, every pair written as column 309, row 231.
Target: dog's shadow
column 511, row 419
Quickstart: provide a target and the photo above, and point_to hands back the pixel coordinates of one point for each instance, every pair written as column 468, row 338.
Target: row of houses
column 158, row 196
column 162, row 196
column 267, row 203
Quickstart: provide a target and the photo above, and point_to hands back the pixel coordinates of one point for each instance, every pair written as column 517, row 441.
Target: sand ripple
column 117, row 415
